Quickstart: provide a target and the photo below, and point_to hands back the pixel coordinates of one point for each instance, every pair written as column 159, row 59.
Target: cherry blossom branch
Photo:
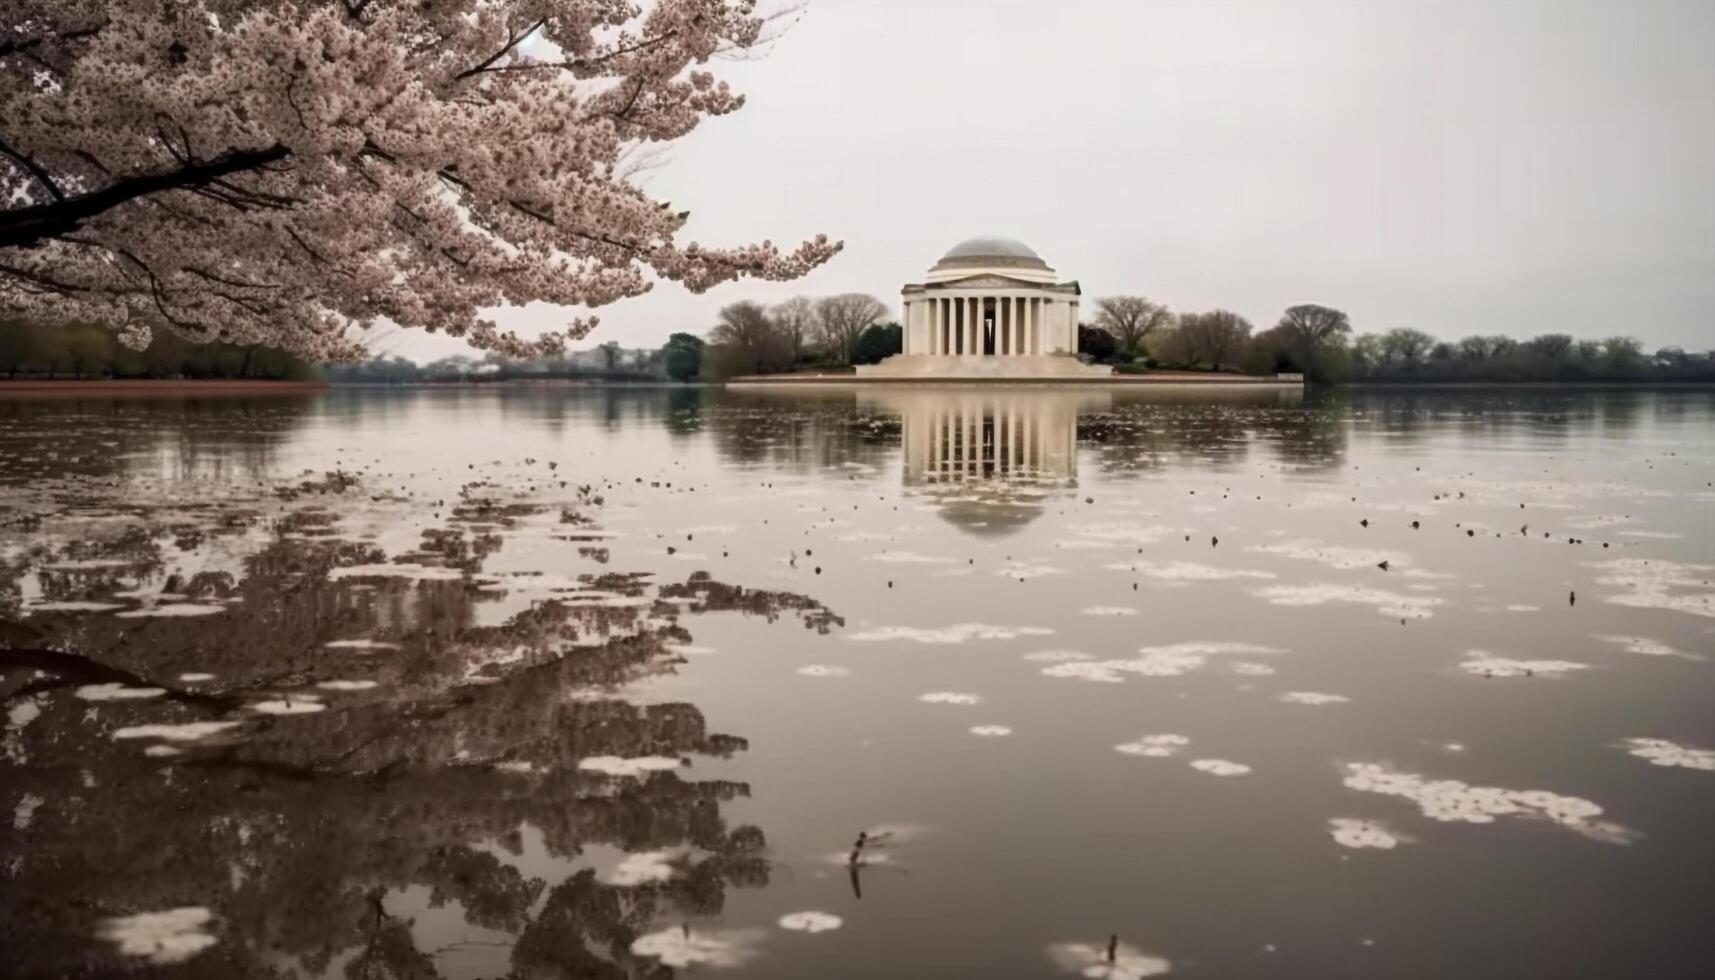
column 27, row 227
column 28, row 163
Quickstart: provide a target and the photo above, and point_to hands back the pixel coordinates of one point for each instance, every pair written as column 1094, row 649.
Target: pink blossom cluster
column 290, row 172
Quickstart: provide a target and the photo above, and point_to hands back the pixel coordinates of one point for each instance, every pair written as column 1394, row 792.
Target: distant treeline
column 38, row 351
column 1414, row 356
column 609, row 362
column 1134, row 333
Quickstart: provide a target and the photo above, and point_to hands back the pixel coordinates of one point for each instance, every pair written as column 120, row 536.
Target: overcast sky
column 1458, row 166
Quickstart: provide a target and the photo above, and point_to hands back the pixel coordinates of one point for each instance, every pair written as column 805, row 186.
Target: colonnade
column 958, row 325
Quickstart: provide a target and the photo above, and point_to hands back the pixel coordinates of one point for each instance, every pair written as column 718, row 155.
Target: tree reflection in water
column 307, row 835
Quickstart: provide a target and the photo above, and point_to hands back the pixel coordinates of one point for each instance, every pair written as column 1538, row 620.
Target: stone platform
column 932, row 367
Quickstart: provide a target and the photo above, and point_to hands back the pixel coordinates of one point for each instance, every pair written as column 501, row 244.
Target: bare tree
column 1217, row 337
column 842, row 319
column 796, row 319
column 756, row 343
column 1129, row 319
column 1407, row 346
column 1309, row 326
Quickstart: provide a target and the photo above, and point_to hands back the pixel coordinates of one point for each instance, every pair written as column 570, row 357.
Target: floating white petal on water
column 1348, row 832
column 22, row 713
column 1128, row 533
column 1155, row 746
column 172, row 609
column 1648, row 647
column 1186, row 571
column 75, row 605
column 1162, row 661
column 117, row 692
column 948, row 697
column 346, row 685
column 1662, row 752
column 1657, row 584
column 811, row 921
column 434, row 573
column 1454, row 801
column 187, row 732
column 162, row 938
column 1091, row 960
column 1485, row 665
column 1027, row 570
column 1220, row 767
column 1108, row 611
column 681, row 947
column 360, row 644
column 990, row 731
column 635, row 767
column 1313, row 698
column 1391, row 604
column 824, row 670
column 641, row 869
column 1334, row 556
column 25, row 811
column 1056, row 656
column 910, row 558
column 957, row 633
column 300, row 705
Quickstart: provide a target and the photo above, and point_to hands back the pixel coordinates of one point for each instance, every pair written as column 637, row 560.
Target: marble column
column 1017, row 331
column 972, row 314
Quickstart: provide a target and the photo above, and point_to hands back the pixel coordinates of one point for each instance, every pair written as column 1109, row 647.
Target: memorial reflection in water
column 988, row 457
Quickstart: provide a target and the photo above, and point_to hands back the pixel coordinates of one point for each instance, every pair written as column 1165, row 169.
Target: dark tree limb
column 28, row 227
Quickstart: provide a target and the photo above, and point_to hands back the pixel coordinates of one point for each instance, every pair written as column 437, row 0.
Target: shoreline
column 152, row 386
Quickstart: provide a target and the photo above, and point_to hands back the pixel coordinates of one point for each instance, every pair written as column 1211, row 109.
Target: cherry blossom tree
column 289, row 172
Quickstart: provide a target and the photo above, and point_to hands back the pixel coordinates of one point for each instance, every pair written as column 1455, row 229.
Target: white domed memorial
column 990, row 309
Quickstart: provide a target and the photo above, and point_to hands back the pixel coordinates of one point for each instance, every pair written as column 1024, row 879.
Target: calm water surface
column 597, row 683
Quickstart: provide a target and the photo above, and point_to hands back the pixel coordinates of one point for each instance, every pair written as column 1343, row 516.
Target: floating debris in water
column 116, row 692
column 1656, row 584
column 1454, row 801
column 172, row 609
column 346, row 685
column 1111, row 960
column 1187, row 571
column 161, row 938
column 1486, row 665
column 301, row 705
column 948, row 697
column 810, row 921
column 1387, row 603
column 633, row 768
column 187, row 732
column 824, row 670
column 1220, row 767
column 957, row 633
column 1662, row 752
column 1647, row 647
column 683, row 947
column 1163, row 661
column 1056, row 656
column 1313, row 698
column 641, row 869
column 1348, row 832
column 1154, row 746
column 990, row 731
